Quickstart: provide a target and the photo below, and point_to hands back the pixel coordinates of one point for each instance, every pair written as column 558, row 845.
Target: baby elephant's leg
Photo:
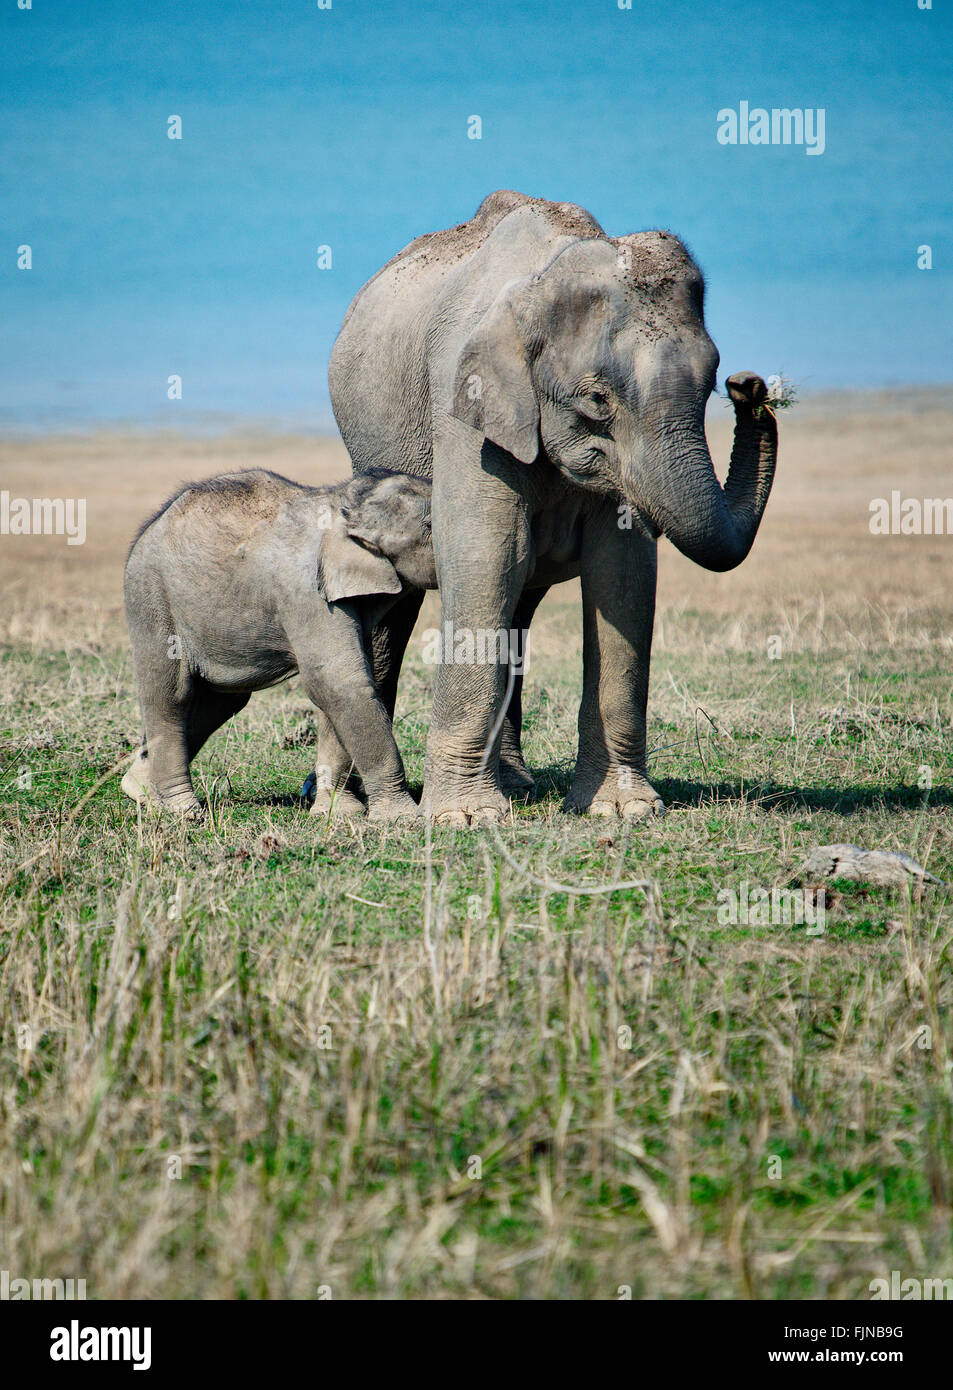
column 168, row 757
column 161, row 768
column 208, row 711
column 363, row 727
column 336, row 784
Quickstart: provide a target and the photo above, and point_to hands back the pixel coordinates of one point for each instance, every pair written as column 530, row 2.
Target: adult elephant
column 543, row 373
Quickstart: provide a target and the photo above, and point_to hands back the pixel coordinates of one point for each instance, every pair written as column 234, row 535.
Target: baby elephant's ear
column 349, row 570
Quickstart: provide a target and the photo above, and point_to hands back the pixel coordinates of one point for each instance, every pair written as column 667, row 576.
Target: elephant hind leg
column 177, row 724
column 209, row 710
column 160, row 769
column 515, row 778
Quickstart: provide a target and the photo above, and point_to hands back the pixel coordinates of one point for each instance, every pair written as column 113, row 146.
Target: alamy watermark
column 751, row 906
column 899, row 1289
column 15, row 1290
column 448, row 645
column 782, row 125
column 75, row 1343
column 43, row 516
column 911, row 516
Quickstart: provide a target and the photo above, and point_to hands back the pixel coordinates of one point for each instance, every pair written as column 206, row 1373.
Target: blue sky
column 348, row 127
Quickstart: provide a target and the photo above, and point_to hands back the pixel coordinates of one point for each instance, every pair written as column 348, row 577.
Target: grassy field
column 268, row 1057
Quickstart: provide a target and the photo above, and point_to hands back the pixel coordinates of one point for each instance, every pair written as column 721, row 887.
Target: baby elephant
column 239, row 582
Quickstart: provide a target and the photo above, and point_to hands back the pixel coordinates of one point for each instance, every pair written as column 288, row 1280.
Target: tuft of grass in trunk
column 782, row 393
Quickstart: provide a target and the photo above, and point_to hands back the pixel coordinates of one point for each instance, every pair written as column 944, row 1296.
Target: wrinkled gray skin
column 542, row 373
column 257, row 577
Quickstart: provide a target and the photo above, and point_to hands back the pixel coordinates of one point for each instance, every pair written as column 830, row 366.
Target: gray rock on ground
column 878, row 866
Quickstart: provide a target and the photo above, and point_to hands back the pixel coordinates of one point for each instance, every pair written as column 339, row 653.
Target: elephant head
column 379, row 537
column 603, row 361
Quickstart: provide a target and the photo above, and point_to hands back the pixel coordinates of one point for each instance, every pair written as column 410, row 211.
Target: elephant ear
column 348, row 569
column 493, row 389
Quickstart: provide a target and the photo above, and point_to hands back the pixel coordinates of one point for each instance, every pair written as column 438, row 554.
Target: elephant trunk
column 716, row 526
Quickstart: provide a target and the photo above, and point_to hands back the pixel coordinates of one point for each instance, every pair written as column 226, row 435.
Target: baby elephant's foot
column 389, row 810
column 338, row 805
column 186, row 805
column 136, row 784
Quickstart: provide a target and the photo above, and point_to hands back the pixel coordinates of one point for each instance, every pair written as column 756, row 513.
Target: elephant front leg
column 618, row 573
column 337, row 678
column 335, row 784
column 481, row 569
column 362, row 726
column 462, row 771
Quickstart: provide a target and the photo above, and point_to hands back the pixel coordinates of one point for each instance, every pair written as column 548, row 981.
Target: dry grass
column 272, row 1003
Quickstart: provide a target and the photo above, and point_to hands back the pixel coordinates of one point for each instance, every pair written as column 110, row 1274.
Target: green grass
column 651, row 1099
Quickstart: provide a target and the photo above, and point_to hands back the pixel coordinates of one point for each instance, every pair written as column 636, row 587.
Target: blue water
column 348, row 127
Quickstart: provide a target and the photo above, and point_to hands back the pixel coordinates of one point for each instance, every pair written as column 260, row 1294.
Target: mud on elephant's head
column 380, row 539
column 602, row 362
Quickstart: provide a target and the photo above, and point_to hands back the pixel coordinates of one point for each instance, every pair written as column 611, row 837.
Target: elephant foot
column 339, row 803
column 342, row 805
column 393, row 809
column 632, row 797
column 478, row 806
column 516, row 780
column 137, row 785
column 186, row 805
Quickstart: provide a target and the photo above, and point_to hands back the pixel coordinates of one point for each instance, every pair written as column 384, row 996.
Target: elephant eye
column 593, row 403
